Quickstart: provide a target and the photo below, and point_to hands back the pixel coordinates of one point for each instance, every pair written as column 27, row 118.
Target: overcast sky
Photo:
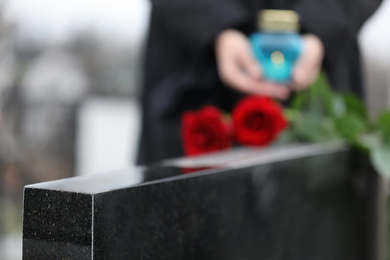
column 54, row 20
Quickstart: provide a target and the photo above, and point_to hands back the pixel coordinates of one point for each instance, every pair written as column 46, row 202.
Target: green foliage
column 350, row 127
column 319, row 114
column 380, row 158
column 355, row 105
column 384, row 126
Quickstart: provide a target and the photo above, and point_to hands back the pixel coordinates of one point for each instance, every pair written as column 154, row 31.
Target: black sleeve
column 195, row 23
column 336, row 22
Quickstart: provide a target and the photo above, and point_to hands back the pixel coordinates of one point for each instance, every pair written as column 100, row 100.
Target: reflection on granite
column 302, row 203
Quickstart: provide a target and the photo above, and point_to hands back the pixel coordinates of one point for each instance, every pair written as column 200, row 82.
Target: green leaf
column 384, row 126
column 317, row 103
column 321, row 84
column 380, row 158
column 316, row 99
column 312, row 128
column 370, row 141
column 291, row 115
column 319, row 114
column 348, row 104
column 350, row 127
column 287, row 137
column 300, row 99
column 339, row 107
column 355, row 105
column 325, row 93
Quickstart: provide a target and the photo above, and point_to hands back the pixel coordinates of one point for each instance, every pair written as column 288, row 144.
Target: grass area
column 10, row 229
column 10, row 216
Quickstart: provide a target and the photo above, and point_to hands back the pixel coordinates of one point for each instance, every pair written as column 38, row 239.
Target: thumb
column 309, row 65
column 249, row 63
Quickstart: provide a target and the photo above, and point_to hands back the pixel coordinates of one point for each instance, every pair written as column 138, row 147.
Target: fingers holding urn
column 309, row 64
column 234, row 56
column 239, row 69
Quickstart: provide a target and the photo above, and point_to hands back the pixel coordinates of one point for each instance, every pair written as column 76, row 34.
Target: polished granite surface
column 298, row 202
column 241, row 157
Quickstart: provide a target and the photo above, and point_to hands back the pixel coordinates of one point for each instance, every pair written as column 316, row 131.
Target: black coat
column 180, row 70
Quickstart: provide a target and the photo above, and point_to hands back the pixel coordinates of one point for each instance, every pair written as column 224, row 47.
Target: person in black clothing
column 198, row 53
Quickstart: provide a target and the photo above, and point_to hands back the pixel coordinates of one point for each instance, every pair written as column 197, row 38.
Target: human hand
column 239, row 69
column 309, row 64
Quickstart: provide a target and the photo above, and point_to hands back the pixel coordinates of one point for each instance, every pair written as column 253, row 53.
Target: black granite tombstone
column 315, row 202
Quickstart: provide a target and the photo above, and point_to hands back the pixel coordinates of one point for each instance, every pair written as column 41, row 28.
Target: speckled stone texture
column 310, row 204
column 57, row 225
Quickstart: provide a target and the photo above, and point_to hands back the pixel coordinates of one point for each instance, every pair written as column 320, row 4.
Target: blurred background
column 70, row 77
column 69, row 82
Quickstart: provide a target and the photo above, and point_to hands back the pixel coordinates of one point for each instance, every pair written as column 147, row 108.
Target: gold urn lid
column 278, row 20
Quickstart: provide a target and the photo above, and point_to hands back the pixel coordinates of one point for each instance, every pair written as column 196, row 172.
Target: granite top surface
column 170, row 170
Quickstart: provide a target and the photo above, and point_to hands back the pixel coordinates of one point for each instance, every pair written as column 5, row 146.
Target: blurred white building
column 375, row 45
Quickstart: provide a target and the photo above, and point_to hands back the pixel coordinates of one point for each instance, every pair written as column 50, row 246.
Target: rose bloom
column 257, row 121
column 205, row 131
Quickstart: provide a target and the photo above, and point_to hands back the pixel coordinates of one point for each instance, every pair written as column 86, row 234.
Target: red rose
column 257, row 121
column 204, row 131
